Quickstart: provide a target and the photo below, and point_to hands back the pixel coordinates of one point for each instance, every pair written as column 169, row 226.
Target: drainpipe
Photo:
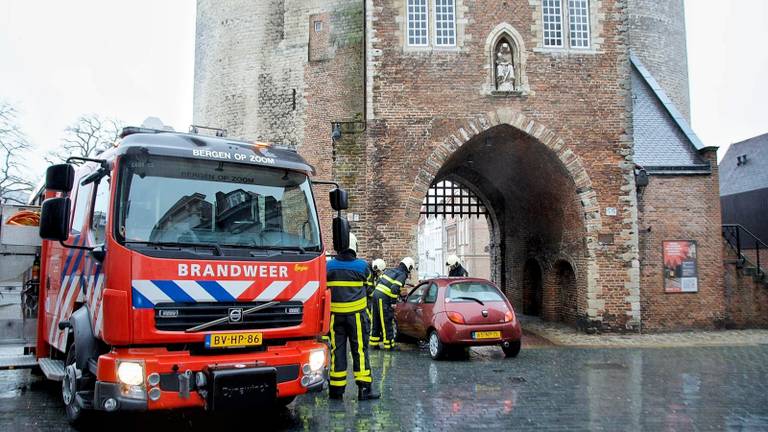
column 365, row 65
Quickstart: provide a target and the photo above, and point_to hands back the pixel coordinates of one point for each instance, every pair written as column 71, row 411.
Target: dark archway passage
column 534, row 214
column 533, row 290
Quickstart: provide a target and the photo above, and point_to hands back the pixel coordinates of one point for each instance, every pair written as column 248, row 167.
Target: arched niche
column 505, row 51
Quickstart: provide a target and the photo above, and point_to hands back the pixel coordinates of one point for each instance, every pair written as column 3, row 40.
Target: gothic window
column 552, row 11
column 445, row 23
column 418, row 22
column 578, row 14
column 576, row 33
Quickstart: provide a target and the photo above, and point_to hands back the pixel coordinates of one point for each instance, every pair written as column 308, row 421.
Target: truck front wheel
column 75, row 414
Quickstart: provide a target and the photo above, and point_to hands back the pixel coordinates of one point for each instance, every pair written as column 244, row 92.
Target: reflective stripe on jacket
column 347, row 280
column 390, row 283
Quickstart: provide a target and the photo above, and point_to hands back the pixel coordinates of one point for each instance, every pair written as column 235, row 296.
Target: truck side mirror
column 60, row 177
column 54, row 219
column 340, row 234
column 339, row 199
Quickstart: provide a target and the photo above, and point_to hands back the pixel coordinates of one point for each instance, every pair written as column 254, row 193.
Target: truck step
column 53, row 369
column 18, row 362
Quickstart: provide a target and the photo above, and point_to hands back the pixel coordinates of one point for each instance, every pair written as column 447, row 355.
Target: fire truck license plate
column 488, row 335
column 232, row 340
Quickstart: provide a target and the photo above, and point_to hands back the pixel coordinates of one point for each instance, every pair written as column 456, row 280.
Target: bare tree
column 14, row 149
column 87, row 137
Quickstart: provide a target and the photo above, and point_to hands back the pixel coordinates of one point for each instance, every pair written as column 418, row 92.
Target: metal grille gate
column 446, row 198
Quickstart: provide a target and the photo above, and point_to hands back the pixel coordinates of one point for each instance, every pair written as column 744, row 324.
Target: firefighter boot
column 365, row 392
column 336, row 392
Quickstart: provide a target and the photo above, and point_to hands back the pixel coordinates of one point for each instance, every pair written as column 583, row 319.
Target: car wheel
column 512, row 349
column 436, row 348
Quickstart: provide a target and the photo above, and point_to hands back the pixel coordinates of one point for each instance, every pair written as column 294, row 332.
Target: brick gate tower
column 567, row 119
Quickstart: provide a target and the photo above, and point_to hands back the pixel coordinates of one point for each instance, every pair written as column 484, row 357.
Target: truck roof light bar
column 130, row 130
column 218, row 131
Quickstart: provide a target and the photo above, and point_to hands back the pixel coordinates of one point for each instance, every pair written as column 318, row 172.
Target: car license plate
column 233, row 340
column 488, row 335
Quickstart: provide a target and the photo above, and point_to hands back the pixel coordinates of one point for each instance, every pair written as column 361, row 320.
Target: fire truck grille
column 181, row 316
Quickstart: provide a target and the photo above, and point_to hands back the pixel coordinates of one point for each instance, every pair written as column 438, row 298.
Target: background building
column 550, row 111
column 744, row 186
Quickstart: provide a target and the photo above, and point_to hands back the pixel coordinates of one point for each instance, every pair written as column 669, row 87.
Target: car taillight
column 456, row 317
column 509, row 316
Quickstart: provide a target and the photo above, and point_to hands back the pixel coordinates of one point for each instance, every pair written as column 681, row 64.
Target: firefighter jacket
column 391, row 281
column 347, row 278
column 458, row 271
column 370, row 284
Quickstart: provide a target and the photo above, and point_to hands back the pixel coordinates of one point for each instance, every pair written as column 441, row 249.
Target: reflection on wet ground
column 545, row 388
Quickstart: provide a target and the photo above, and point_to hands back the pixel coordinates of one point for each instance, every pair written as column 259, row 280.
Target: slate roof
column 662, row 137
column 753, row 174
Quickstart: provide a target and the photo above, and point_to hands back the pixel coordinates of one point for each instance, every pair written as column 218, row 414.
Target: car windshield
column 175, row 200
column 471, row 291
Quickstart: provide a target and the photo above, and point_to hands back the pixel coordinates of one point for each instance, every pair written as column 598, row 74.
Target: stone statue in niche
column 505, row 68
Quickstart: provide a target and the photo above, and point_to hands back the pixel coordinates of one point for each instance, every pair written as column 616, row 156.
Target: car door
column 404, row 313
column 424, row 311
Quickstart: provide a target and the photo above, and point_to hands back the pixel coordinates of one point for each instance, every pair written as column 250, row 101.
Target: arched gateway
column 540, row 202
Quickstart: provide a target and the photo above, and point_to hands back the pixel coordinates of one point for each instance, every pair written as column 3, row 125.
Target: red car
column 458, row 312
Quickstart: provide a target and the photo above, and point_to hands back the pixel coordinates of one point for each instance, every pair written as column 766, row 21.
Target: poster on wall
column 680, row 269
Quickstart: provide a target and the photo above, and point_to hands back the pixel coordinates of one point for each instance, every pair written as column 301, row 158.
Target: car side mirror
column 340, row 234
column 339, row 199
column 54, row 218
column 60, row 177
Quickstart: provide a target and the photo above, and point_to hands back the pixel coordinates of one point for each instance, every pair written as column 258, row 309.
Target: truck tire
column 284, row 401
column 76, row 416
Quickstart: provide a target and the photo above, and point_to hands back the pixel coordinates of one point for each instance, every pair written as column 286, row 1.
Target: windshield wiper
column 216, row 248
column 468, row 298
column 226, row 317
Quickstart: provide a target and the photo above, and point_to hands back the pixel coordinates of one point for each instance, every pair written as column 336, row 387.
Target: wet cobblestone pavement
column 545, row 388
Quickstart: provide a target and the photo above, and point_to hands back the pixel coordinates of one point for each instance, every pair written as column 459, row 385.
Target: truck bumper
column 180, row 379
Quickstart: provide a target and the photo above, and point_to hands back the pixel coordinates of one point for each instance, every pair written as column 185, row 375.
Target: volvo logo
column 485, row 313
column 235, row 315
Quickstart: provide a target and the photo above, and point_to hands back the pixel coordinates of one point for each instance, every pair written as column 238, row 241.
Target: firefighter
column 384, row 298
column 455, row 269
column 347, row 277
column 377, row 267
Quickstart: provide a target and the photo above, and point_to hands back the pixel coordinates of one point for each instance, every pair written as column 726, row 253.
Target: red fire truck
column 183, row 270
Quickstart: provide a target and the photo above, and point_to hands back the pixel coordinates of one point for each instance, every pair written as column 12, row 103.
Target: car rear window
column 466, row 291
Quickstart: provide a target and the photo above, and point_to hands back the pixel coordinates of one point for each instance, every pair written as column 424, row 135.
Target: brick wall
column 682, row 208
column 580, row 98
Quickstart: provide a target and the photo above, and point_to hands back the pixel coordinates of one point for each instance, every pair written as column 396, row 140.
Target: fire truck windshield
column 168, row 200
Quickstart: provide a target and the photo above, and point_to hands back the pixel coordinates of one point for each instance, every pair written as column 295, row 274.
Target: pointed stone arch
column 452, row 140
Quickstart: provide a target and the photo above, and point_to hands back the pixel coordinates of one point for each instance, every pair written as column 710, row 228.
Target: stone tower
column 253, row 65
column 657, row 37
column 239, row 79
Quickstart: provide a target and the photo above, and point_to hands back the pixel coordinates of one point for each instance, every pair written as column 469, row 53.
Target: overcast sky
column 133, row 59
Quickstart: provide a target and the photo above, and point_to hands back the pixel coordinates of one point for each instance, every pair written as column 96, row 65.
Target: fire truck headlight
column 130, row 373
column 317, row 360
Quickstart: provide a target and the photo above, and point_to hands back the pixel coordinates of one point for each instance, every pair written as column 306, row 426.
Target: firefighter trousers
column 349, row 328
column 383, row 323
